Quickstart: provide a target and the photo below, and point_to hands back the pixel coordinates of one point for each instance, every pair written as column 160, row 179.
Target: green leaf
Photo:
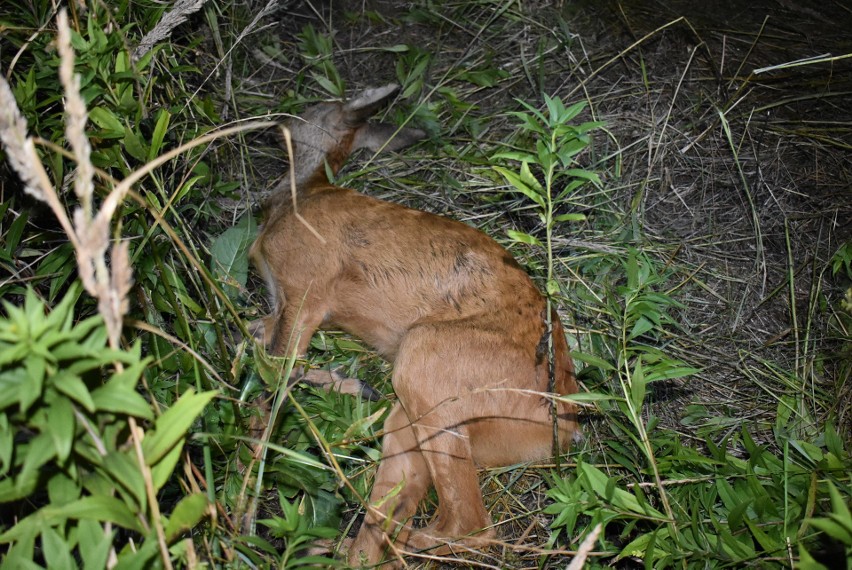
column 767, row 543
column 587, row 175
column 112, row 397
column 171, row 427
column 362, row 425
column 667, row 372
column 644, row 546
column 593, row 360
column 588, row 397
column 61, row 427
column 229, row 251
column 129, row 377
column 525, row 183
column 807, row 562
column 523, row 238
column 569, row 218
column 56, row 552
column 72, row 386
column 98, row 508
column 619, row 498
column 21, row 554
column 160, row 129
column 111, row 127
column 640, row 327
column 835, row 528
column 135, row 145
column 40, row 450
column 552, row 287
column 93, row 544
column 329, row 86
column 29, row 392
column 187, row 513
column 16, row 230
column 162, row 470
column 839, row 508
column 123, row 471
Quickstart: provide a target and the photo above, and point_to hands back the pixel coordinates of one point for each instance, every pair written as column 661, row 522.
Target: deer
column 477, row 359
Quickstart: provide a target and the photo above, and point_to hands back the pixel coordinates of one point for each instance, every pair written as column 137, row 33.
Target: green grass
column 713, row 349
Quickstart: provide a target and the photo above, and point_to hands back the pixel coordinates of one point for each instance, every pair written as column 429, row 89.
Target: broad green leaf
column 637, row 386
column 582, row 397
column 16, row 488
column 20, row 556
column 522, row 183
column 835, row 528
column 29, row 392
column 160, row 129
column 111, row 127
column 766, row 542
column 569, row 218
column 171, row 427
column 587, row 175
column 593, row 360
column 93, row 544
column 40, row 450
column 329, row 86
column 398, row 48
column 162, row 470
column 63, row 489
column 644, row 546
column 55, row 549
column 808, row 562
column 98, row 508
column 523, row 238
column 15, row 231
column 72, row 386
column 129, row 377
column 619, row 497
column 112, row 397
column 323, row 511
column 186, row 514
column 361, row 425
column 668, row 372
column 139, row 557
column 552, row 287
column 833, row 442
column 62, row 427
column 640, row 327
column 135, row 145
column 518, row 155
column 7, row 442
column 123, row 471
column 840, row 509
column 229, row 251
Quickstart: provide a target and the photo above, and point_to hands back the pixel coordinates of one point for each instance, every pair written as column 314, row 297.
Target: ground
column 725, row 153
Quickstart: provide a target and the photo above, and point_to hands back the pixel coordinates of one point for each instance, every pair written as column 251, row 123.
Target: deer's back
column 386, row 268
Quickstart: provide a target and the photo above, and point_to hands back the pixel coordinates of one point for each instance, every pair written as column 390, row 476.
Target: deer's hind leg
column 386, row 520
column 434, row 384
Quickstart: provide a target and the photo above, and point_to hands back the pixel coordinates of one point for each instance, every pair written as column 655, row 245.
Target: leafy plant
column 66, row 400
column 557, row 143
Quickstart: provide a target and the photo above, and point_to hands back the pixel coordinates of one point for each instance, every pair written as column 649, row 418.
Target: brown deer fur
column 460, row 320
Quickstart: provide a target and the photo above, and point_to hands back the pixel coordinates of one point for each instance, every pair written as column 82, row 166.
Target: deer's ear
column 365, row 105
column 384, row 136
